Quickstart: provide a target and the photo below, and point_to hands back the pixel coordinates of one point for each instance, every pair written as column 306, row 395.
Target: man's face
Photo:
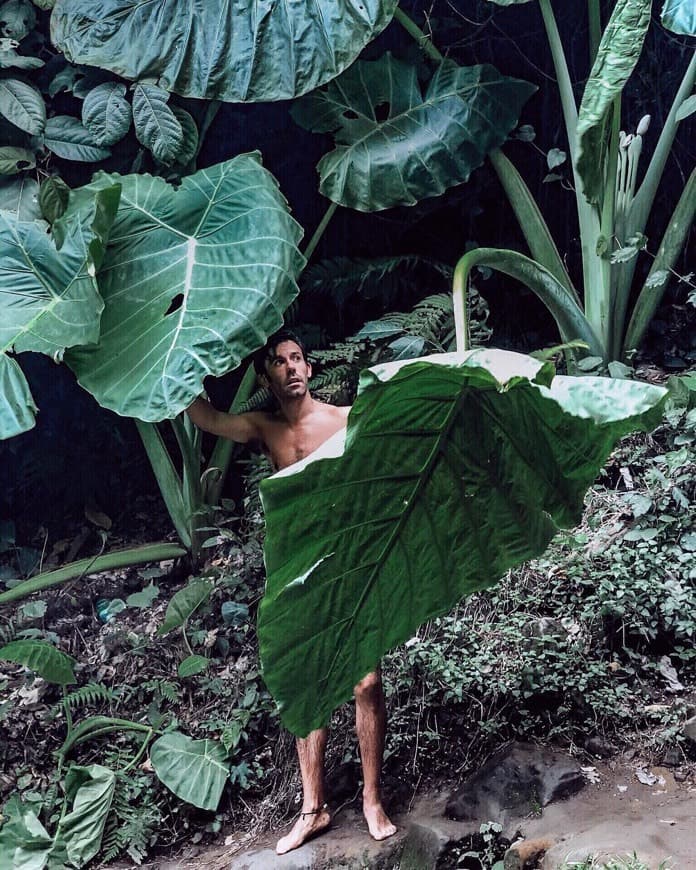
column 288, row 371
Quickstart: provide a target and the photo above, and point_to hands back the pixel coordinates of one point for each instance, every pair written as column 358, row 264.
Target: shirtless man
column 298, row 427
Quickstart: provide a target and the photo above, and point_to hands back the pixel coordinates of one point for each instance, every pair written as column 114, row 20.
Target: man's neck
column 295, row 409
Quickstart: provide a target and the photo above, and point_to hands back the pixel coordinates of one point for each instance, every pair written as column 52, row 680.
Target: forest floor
column 589, row 649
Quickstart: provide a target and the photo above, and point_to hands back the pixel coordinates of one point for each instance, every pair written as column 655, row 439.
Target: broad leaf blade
column 617, row 56
column 156, row 126
column 43, row 658
column 454, row 469
column 236, row 52
column 195, row 770
column 429, row 141
column 22, row 105
column 91, row 790
column 679, row 16
column 20, row 197
column 106, row 113
column 17, row 406
column 184, row 603
column 194, row 280
column 24, row 842
column 14, row 159
column 66, row 137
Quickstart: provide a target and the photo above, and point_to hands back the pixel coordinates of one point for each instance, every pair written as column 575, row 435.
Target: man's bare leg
column 314, row 816
column 370, row 723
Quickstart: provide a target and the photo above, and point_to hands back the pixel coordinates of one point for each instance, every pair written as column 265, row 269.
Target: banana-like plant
column 613, row 209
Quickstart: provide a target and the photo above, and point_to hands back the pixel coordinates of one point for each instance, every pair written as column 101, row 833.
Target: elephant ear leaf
column 49, row 299
column 194, row 279
column 679, row 16
column 619, row 49
column 454, row 468
column 397, row 144
column 237, row 52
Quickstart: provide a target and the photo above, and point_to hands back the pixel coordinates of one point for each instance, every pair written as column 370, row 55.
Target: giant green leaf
column 619, row 49
column 195, row 770
column 48, row 294
column 680, row 16
column 454, row 468
column 90, row 790
column 195, row 278
column 220, row 50
column 397, row 143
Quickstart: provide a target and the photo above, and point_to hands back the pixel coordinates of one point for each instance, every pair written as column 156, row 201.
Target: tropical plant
column 487, row 454
column 612, row 211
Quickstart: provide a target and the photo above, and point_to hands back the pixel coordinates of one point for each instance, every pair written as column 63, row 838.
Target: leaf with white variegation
column 195, row 279
column 48, row 298
column 237, row 52
column 618, row 53
column 106, row 113
column 679, row 16
column 66, row 137
column 454, row 468
column 431, row 139
column 156, row 126
column 22, row 105
column 195, row 770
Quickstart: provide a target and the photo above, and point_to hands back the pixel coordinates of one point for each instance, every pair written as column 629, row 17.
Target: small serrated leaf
column 22, row 105
column 526, row 133
column 106, row 113
column 657, row 279
column 190, row 132
column 156, row 126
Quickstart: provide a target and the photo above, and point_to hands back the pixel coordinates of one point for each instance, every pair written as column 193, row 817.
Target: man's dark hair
column 267, row 352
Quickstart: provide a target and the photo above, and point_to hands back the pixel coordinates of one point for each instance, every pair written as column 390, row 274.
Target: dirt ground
column 616, row 814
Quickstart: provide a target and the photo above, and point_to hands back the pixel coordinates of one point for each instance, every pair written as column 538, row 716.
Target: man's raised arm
column 236, row 427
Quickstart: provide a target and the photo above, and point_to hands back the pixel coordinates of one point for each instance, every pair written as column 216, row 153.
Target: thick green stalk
column 531, row 221
column 319, row 232
column 595, row 27
column 424, row 42
column 167, row 478
column 221, row 457
column 460, row 283
column 107, row 562
column 572, row 323
column 189, row 441
column 638, row 210
column 670, row 248
column 611, row 309
column 588, row 218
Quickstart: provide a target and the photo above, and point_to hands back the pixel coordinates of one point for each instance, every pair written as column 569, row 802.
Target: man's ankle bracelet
column 315, row 812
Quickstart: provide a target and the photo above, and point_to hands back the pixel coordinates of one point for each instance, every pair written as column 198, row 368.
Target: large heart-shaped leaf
column 218, row 50
column 48, row 297
column 679, row 16
column 195, row 278
column 195, row 770
column 43, row 658
column 454, row 468
column 428, row 141
column 618, row 53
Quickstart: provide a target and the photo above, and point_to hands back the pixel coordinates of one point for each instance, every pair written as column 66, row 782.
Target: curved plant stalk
column 319, row 232
column 671, row 246
column 214, row 476
column 95, row 726
column 189, row 439
column 167, row 477
column 572, row 323
column 109, row 561
column 531, row 221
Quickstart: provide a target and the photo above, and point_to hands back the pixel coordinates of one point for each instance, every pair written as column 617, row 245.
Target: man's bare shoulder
column 334, row 411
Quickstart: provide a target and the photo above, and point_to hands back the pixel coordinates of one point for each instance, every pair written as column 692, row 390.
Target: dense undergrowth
column 590, row 647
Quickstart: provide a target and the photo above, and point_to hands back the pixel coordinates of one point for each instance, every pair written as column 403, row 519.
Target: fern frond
column 166, row 689
column 91, row 695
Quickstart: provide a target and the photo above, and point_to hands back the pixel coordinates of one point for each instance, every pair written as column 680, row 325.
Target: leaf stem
column 425, row 43
column 319, row 232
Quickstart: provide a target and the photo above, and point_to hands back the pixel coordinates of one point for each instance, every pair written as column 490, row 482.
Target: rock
column 672, row 757
column 689, row 729
column 422, row 848
column 519, row 779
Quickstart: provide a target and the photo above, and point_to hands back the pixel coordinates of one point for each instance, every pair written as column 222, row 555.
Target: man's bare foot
column 307, row 826
column 377, row 821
